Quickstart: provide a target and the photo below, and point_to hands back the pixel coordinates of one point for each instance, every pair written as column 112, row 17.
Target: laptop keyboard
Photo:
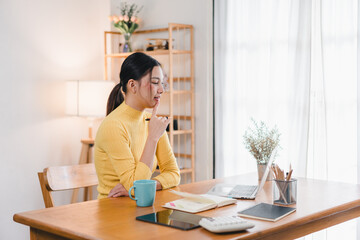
column 243, row 191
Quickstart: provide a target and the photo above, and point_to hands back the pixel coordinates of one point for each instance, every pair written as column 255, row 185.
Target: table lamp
column 87, row 99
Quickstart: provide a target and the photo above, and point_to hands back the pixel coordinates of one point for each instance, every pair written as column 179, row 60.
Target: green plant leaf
column 121, row 29
column 133, row 27
column 124, row 26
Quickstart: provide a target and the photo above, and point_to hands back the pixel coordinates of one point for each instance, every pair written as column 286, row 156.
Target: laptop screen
column 224, row 189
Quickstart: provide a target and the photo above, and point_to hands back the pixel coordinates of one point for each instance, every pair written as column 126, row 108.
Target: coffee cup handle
column 130, row 193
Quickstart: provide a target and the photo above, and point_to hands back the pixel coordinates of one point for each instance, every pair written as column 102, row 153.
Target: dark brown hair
column 134, row 67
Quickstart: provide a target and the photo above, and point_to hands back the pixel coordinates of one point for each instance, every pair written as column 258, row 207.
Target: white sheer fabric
column 262, row 69
column 293, row 64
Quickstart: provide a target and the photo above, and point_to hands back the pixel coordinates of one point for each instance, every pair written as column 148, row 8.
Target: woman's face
column 151, row 87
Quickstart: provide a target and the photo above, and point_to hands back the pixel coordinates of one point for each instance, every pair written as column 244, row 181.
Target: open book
column 194, row 203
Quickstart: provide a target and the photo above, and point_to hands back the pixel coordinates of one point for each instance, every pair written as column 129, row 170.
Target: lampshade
column 87, row 98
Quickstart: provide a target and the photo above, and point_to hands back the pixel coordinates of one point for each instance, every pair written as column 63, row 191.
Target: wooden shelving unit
column 178, row 64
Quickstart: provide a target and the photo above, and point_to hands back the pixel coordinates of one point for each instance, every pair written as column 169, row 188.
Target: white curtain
column 292, row 64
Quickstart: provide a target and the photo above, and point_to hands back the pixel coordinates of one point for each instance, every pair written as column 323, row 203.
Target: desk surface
column 320, row 204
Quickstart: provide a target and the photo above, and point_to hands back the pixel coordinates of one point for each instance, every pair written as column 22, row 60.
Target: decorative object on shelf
column 150, row 47
column 127, row 45
column 127, row 22
column 261, row 142
column 175, row 122
column 157, row 44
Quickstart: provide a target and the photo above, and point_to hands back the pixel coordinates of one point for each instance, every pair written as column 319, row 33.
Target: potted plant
column 261, row 141
column 127, row 22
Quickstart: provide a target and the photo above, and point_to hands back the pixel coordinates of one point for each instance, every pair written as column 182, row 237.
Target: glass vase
column 261, row 170
column 127, row 44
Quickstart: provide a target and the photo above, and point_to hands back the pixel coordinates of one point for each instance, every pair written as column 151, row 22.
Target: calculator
column 225, row 224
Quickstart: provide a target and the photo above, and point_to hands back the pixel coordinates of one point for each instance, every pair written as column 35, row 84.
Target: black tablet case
column 265, row 211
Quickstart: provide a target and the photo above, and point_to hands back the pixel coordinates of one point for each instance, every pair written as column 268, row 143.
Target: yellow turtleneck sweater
column 119, row 144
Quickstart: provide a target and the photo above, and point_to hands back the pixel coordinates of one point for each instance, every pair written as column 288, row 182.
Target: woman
column 130, row 142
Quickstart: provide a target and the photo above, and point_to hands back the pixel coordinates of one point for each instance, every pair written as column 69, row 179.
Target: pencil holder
column 285, row 192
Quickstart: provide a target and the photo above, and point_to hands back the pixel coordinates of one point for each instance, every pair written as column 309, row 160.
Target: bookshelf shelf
column 178, row 63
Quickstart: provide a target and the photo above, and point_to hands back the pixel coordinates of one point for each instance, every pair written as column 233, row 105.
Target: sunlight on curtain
column 293, row 64
column 262, row 69
column 332, row 138
column 332, row 153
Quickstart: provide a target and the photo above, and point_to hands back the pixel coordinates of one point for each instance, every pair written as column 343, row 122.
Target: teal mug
column 144, row 192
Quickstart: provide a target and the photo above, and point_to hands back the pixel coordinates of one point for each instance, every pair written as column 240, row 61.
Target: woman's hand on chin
column 157, row 125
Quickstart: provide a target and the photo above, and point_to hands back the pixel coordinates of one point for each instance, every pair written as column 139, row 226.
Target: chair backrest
column 66, row 178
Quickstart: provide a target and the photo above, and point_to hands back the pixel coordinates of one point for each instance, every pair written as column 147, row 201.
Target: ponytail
column 115, row 99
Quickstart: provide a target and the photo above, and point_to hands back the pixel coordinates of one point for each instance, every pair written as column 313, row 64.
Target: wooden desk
column 320, row 205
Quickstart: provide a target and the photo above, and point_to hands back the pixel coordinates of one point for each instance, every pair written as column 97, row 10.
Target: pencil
column 148, row 119
column 289, row 176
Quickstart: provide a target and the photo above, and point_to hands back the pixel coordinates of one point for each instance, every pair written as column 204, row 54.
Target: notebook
column 242, row 191
column 268, row 212
column 194, row 203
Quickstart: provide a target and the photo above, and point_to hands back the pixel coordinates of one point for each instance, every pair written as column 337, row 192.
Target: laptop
column 242, row 191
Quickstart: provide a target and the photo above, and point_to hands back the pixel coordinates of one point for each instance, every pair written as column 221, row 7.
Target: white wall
column 43, row 43
column 157, row 14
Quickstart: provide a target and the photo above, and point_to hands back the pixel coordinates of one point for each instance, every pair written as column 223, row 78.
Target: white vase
column 261, row 169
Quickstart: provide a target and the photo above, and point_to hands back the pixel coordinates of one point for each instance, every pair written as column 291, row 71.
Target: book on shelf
column 265, row 211
column 194, row 203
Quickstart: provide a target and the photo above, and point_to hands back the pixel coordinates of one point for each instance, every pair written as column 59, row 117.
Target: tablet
column 173, row 218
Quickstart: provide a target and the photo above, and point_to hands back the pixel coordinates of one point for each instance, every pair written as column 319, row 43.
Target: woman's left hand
column 118, row 191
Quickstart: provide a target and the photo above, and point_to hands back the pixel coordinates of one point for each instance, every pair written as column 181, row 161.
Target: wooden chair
column 67, row 178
